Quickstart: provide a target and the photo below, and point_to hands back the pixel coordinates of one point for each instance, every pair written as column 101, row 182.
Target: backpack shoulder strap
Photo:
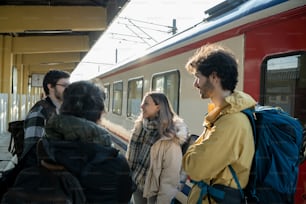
column 251, row 114
column 236, row 180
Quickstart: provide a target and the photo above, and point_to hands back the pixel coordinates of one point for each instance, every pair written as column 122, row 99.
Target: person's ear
column 49, row 86
column 158, row 107
column 214, row 77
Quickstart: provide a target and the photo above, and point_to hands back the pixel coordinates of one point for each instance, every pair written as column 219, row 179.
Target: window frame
column 107, row 96
column 175, row 106
column 130, row 115
column 113, row 98
column 263, row 85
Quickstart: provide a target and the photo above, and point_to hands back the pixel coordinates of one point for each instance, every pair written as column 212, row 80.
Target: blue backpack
column 278, row 140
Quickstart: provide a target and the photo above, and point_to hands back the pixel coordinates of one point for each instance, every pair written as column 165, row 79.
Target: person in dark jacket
column 75, row 140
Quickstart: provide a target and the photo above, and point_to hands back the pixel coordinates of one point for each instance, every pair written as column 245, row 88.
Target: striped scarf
column 139, row 151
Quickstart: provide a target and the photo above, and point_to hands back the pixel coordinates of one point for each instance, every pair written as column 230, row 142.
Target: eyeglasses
column 63, row 85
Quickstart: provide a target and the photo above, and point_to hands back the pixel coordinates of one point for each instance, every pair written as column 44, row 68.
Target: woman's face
column 149, row 108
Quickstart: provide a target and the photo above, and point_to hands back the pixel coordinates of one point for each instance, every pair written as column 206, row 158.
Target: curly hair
column 215, row 58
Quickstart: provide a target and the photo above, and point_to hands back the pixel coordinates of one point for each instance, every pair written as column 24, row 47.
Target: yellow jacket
column 227, row 140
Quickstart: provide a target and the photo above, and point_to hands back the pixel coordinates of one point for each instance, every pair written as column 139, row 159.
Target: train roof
column 243, row 10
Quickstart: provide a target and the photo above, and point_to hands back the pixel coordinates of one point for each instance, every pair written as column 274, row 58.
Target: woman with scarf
column 154, row 151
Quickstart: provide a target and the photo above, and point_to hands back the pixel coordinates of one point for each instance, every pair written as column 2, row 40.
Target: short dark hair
column 52, row 78
column 83, row 99
column 215, row 58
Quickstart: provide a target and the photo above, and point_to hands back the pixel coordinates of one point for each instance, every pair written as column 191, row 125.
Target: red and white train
column 269, row 40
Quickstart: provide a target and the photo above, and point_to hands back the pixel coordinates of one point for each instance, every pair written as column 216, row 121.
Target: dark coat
column 40, row 185
column 84, row 150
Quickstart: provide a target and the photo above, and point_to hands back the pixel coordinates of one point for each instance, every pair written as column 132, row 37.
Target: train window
column 284, row 83
column 169, row 84
column 107, row 92
column 135, row 94
column 117, row 97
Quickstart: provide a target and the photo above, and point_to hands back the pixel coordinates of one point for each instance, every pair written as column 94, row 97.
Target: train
column 267, row 36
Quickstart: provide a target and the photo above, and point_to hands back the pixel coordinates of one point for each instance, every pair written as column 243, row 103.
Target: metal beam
column 50, row 44
column 42, row 69
column 50, row 58
column 16, row 19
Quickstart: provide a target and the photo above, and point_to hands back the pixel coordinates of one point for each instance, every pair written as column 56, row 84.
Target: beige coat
column 226, row 140
column 163, row 175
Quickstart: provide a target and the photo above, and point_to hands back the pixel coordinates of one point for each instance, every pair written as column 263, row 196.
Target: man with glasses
column 54, row 84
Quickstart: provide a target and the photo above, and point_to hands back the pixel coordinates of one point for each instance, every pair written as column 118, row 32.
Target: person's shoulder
column 35, row 108
column 234, row 118
column 46, row 103
column 39, row 111
column 47, row 107
column 41, row 104
column 104, row 136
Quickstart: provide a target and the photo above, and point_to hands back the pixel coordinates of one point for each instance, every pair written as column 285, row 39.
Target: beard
column 58, row 95
column 206, row 90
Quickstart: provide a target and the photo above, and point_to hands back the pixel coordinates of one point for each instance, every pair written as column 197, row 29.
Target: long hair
column 166, row 115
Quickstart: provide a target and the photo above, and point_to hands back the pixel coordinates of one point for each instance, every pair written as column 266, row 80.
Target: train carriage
column 267, row 36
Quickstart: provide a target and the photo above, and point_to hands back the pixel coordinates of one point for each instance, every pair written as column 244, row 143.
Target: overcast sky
column 140, row 24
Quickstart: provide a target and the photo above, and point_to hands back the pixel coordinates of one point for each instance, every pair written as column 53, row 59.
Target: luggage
column 278, row 140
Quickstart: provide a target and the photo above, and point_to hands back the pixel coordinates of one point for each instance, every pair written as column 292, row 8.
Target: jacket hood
column 239, row 101
column 234, row 103
column 76, row 142
column 181, row 130
column 71, row 128
column 76, row 156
